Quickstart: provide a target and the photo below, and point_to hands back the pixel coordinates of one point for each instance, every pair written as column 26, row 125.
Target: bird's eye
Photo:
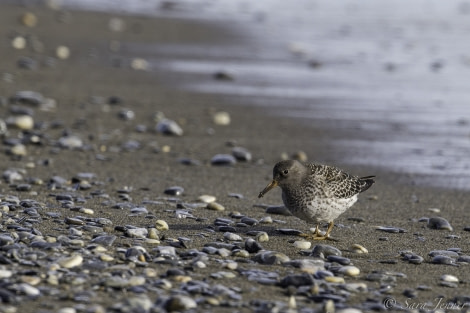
column 285, row 172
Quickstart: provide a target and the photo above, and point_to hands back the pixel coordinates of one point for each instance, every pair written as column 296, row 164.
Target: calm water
column 396, row 74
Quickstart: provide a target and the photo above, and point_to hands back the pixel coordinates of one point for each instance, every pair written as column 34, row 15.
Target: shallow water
column 395, row 75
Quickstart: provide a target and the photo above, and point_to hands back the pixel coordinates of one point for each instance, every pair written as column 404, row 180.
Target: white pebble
column 350, row 270
column 221, row 118
column 72, row 261
column 302, row 244
column 199, row 264
column 5, row 273
column 266, row 220
column 232, row 237
column 29, row 290
column 62, row 52
column 18, row 149
column 18, row 42
column 116, row 24
column 24, row 122
column 67, row 310
column 449, row 278
column 161, row 225
column 335, row 279
column 262, row 237
column 139, row 64
column 214, row 206
column 207, row 198
column 86, row 211
column 231, row 265
column 356, row 248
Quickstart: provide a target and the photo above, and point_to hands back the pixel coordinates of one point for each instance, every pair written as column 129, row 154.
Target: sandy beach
column 122, row 162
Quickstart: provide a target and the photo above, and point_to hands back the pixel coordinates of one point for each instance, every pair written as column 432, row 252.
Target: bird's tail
column 366, row 182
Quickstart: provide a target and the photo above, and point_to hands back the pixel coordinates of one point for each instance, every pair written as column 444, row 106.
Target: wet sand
column 93, row 72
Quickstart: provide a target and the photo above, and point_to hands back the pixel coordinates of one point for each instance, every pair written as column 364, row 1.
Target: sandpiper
column 316, row 193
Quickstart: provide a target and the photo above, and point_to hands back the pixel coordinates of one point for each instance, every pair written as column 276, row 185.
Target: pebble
column 174, row 191
column 72, row 261
column 221, row 118
column 350, row 270
column 356, row 248
column 442, row 259
column 161, row 225
column 323, row 251
column 140, row 64
column 27, row 63
column 29, row 19
column 180, row 303
column 214, row 206
column 252, row 246
column 439, row 223
column 449, row 278
column 232, row 237
column 136, row 232
column 302, row 244
column 207, row 198
column 338, row 259
column 241, row 154
column 23, row 122
column 62, row 52
column 169, row 127
column 390, row 229
column 262, row 237
column 223, row 160
column 19, row 42
column 413, row 258
column 70, row 142
column 271, row 257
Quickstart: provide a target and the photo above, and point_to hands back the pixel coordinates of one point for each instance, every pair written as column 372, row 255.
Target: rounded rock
column 223, row 160
column 169, row 127
column 207, row 198
column 439, row 223
column 214, row 206
column 323, row 251
column 174, row 191
column 449, row 278
column 350, row 270
column 161, row 225
column 241, row 154
column 302, row 244
column 357, row 248
column 262, row 237
column 221, row 118
column 72, row 261
column 180, row 303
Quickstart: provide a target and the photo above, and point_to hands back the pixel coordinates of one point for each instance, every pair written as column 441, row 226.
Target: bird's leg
column 327, row 234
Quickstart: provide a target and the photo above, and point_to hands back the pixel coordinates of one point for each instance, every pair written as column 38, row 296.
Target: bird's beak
column 268, row 187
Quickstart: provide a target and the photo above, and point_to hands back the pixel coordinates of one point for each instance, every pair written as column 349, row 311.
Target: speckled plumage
column 316, row 193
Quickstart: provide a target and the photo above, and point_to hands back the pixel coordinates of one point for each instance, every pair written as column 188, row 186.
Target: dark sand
column 91, row 71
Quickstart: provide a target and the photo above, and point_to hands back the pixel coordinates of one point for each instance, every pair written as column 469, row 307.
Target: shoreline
column 90, row 101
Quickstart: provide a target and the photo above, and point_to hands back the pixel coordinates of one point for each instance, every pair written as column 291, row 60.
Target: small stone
column 262, row 237
column 335, row 279
column 434, row 210
column 214, row 206
column 104, row 240
column 23, row 122
column 169, row 127
column 207, row 198
column 300, row 156
column 137, row 232
column 221, row 118
column 266, row 220
column 390, row 229
column 27, row 63
column 174, row 191
column 271, row 257
column 339, row 259
column 323, row 251
column 241, row 154
column 29, row 19
column 62, row 52
column 140, row 64
column 232, row 237
column 302, row 244
column 70, row 142
column 18, row 150
column 19, row 42
column 252, row 246
column 161, row 225
column 356, row 248
column 223, row 160
column 86, row 211
column 449, row 278
column 442, row 259
column 28, row 97
column 72, row 261
column 350, row 271
column 126, row 115
column 439, row 223
column 180, row 303
column 413, row 258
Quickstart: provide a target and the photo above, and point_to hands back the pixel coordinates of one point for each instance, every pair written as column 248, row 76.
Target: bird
column 316, row 193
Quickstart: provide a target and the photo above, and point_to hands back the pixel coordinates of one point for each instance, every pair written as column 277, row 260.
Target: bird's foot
column 316, row 236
